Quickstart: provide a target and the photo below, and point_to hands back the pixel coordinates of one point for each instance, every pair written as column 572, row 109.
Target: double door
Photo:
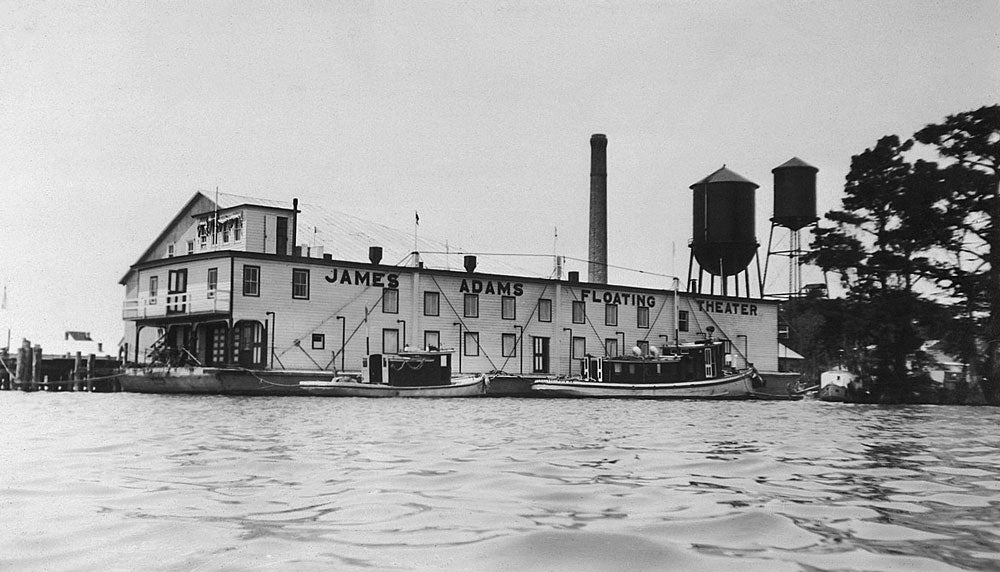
column 177, row 281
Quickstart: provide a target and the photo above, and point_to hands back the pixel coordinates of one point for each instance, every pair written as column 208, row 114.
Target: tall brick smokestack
column 598, row 255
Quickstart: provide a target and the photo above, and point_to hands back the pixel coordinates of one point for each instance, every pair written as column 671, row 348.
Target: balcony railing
column 194, row 302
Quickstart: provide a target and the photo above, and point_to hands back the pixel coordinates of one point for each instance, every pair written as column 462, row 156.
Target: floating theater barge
column 229, row 300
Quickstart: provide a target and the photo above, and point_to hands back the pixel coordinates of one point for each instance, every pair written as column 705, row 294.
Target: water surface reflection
column 129, row 481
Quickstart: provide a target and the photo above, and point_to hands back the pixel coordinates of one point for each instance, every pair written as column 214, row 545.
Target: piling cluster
column 29, row 370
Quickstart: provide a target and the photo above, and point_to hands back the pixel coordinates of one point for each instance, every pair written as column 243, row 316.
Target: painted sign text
column 621, row 298
column 363, row 278
column 720, row 307
column 491, row 287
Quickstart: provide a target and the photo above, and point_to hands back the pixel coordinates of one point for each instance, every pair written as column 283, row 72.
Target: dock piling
column 4, row 373
column 90, row 372
column 21, row 369
column 36, row 366
column 77, row 372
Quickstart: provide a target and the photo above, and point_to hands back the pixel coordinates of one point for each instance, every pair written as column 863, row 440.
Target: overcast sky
column 476, row 114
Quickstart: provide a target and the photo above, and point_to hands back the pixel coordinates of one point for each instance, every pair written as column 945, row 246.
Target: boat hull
column 834, row 393
column 737, row 386
column 216, row 381
column 464, row 387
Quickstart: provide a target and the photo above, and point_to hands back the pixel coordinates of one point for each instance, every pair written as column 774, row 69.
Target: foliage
column 912, row 238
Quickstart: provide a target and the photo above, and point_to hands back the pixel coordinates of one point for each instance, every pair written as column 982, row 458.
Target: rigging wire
column 531, row 255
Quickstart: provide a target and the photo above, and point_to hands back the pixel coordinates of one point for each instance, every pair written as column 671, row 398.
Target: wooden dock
column 31, row 370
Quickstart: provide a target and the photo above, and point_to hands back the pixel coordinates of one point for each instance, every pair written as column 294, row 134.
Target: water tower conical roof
column 794, row 162
column 723, row 175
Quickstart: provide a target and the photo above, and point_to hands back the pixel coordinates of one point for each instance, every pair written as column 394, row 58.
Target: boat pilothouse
column 408, row 368
column 410, row 373
column 687, row 362
column 682, row 371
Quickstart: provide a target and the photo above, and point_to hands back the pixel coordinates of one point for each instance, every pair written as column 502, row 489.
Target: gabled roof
column 785, row 352
column 173, row 222
column 230, row 201
column 347, row 237
column 935, row 350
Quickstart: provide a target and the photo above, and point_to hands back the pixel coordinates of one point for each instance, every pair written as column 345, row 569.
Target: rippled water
column 127, row 482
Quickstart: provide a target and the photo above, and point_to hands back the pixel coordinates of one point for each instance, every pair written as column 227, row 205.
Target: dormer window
column 170, row 251
column 190, row 247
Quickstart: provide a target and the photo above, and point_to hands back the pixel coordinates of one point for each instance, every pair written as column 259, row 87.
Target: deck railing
column 197, row 301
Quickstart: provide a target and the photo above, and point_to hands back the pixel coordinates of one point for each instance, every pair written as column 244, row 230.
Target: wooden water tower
column 724, row 240
column 794, row 209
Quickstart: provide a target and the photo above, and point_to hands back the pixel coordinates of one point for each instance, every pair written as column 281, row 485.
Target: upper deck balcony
column 198, row 301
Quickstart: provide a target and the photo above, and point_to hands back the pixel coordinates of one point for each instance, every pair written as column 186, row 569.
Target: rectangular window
column 390, row 301
column 225, row 234
column 579, row 312
column 319, row 341
column 432, row 340
column 682, row 320
column 472, row 306
column 170, row 251
column 300, row 283
column 190, row 246
column 154, row 285
column 237, row 232
column 204, row 241
column 432, row 304
column 611, row 347
column 545, row 310
column 611, row 314
column 508, row 307
column 643, row 346
column 508, row 345
column 579, row 347
column 390, row 341
column 212, row 282
column 251, row 280
column 471, row 343
column 642, row 316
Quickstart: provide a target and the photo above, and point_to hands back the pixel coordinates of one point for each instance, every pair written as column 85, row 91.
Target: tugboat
column 685, row 371
column 411, row 373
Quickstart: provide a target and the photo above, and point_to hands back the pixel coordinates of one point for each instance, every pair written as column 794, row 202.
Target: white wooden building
column 222, row 284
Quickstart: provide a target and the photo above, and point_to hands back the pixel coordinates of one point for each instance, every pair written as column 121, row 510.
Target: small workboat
column 420, row 373
column 685, row 371
column 837, row 384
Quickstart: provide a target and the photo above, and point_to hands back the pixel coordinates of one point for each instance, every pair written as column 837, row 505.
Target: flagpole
column 215, row 225
column 416, row 224
column 3, row 306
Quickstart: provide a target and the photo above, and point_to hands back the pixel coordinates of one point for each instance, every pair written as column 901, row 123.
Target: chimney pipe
column 295, row 225
column 597, row 269
column 375, row 254
column 470, row 263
